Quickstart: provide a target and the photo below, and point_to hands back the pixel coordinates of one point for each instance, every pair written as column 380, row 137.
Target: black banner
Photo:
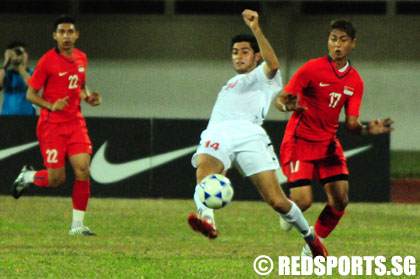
column 136, row 158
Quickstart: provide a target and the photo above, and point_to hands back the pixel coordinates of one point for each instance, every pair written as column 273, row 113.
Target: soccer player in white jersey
column 234, row 133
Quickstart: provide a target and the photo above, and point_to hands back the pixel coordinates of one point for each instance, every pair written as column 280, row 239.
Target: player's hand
column 378, row 126
column 251, row 18
column 60, row 104
column 94, row 99
column 292, row 103
column 8, row 54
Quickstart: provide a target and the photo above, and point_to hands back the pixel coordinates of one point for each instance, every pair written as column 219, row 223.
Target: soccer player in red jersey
column 316, row 94
column 61, row 129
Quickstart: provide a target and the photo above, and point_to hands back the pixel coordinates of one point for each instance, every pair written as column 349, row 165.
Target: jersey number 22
column 73, row 81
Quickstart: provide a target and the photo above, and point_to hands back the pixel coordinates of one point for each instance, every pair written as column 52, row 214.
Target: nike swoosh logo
column 355, row 151
column 16, row 149
column 349, row 153
column 105, row 172
column 62, row 74
column 324, row 84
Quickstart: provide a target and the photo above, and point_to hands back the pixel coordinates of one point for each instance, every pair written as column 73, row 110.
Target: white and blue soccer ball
column 215, row 191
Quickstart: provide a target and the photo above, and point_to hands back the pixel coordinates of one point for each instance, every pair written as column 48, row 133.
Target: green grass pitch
column 145, row 238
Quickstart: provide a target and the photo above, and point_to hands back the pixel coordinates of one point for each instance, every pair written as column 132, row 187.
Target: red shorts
column 60, row 140
column 304, row 160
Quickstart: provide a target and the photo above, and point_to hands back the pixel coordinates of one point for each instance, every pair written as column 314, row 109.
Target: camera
column 18, row 51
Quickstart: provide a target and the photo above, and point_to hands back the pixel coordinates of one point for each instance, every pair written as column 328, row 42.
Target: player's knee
column 205, row 170
column 304, row 203
column 55, row 181
column 280, row 205
column 341, row 203
column 207, row 165
column 82, row 173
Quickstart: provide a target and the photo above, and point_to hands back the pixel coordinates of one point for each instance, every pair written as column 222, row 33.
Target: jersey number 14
column 214, row 145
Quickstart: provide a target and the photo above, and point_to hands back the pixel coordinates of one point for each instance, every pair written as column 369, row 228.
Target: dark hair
column 16, row 44
column 344, row 25
column 64, row 19
column 246, row 38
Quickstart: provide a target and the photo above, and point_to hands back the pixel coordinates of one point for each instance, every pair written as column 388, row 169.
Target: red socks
column 327, row 221
column 81, row 194
column 41, row 178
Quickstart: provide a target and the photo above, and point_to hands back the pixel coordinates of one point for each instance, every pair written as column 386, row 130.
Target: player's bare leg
column 337, row 193
column 56, row 177
column 302, row 196
column 269, row 188
column 204, row 222
column 81, row 193
column 206, row 165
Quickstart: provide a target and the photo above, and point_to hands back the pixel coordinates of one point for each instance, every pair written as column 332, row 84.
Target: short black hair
column 64, row 19
column 246, row 38
column 345, row 25
column 15, row 44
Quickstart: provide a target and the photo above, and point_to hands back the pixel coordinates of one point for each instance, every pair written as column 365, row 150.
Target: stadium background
column 168, row 59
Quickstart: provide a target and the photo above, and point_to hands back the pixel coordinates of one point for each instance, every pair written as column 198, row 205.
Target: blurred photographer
column 14, row 75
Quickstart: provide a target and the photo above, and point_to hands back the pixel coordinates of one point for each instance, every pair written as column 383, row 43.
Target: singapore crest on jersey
column 348, row 90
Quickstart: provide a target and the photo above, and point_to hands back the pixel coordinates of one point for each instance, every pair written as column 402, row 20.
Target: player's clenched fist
column 94, row 99
column 251, row 18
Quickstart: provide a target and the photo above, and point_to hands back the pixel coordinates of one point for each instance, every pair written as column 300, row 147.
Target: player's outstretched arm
column 375, row 127
column 288, row 102
column 268, row 55
column 33, row 97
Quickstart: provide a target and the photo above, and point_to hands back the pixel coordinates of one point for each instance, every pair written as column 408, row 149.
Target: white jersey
column 246, row 98
column 234, row 132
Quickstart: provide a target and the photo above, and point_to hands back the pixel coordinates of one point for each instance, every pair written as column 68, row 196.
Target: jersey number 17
column 335, row 97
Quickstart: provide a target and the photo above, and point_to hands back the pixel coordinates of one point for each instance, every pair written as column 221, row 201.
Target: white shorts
column 251, row 154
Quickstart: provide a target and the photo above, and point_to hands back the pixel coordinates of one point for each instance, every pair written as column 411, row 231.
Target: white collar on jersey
column 344, row 68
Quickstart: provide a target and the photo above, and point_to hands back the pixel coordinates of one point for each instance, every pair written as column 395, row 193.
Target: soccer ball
column 215, row 191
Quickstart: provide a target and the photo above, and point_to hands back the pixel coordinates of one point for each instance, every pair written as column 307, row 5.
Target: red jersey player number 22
column 65, row 79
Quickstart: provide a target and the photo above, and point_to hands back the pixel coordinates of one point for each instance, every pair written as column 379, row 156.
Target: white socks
column 78, row 216
column 202, row 209
column 28, row 176
column 295, row 217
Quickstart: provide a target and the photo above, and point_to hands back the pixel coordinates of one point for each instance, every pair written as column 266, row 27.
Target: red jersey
column 324, row 91
column 60, row 76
